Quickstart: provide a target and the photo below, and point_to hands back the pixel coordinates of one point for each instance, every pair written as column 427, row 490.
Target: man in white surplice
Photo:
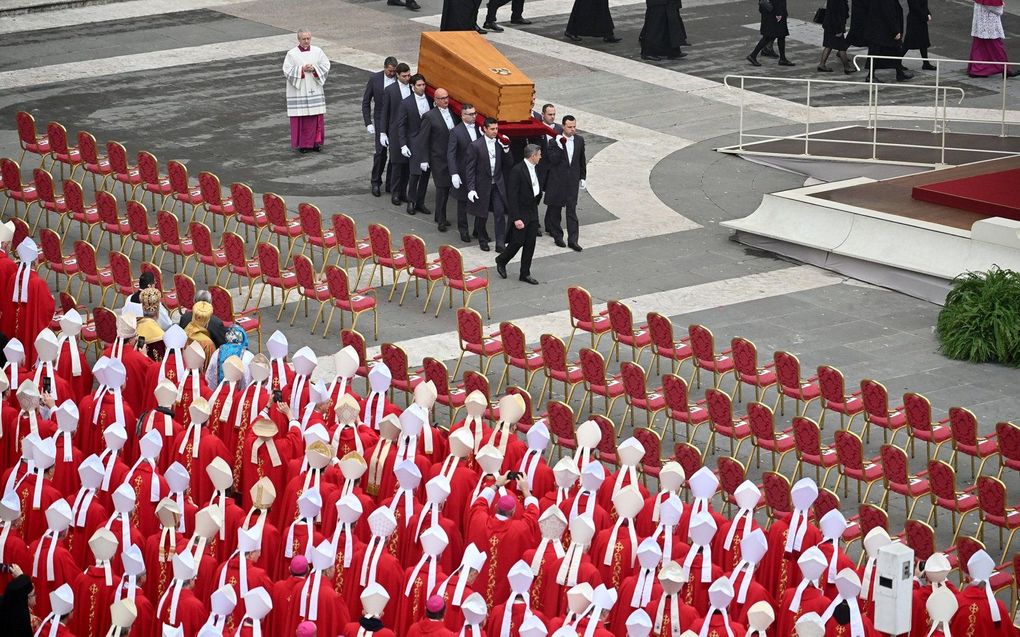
column 305, row 68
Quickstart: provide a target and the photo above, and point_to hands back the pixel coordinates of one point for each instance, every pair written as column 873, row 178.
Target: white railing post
column 807, row 120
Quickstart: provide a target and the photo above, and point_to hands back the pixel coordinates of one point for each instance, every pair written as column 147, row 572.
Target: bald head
column 441, row 97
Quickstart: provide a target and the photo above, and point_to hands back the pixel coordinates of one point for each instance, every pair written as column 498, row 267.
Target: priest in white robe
column 306, row 68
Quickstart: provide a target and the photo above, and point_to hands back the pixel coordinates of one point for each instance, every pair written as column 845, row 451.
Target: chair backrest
column 106, row 324
column 10, row 174
column 731, row 472
column 85, row 255
column 88, row 147
column 49, row 242
column 872, row 517
column 652, row 442
column 807, row 435
column 579, row 303
column 435, row 371
column 415, row 252
column 1008, row 435
column 875, row 397
column 106, row 207
column 222, row 303
column 917, row 409
column 452, row 263
column 687, row 456
column 942, row 479
column 157, row 275
column 338, row 283
column 966, row 547
column 269, row 259
column 675, row 392
column 895, row 465
column 68, row 303
column 166, row 223
column 184, row 286
column 528, row 417
column 243, row 198
column 177, row 173
column 117, row 155
column 74, row 195
column 21, row 231
column 825, row 502
column 964, row 426
column 607, row 443
column 621, row 320
column 831, row 384
column 554, row 352
column 26, row 128
column 469, row 326
column 849, row 449
column 514, row 343
column 137, row 217
column 120, row 268
column 787, row 369
column 233, row 249
column 379, row 237
column 395, row 359
column 761, row 420
column 593, row 366
column 57, row 135
column 148, row 168
column 209, row 185
column 702, row 342
column 345, row 230
column 474, row 381
column 776, row 489
column 560, row 420
column 633, row 380
column 275, row 207
column 311, row 219
column 991, row 495
column 920, row 537
column 353, row 338
column 745, row 356
column 304, row 271
column 660, row 330
column 43, row 181
column 720, row 407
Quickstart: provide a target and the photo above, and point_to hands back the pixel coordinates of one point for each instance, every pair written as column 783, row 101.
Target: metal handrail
column 872, row 105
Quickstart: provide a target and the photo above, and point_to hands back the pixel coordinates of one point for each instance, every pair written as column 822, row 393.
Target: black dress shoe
column 560, row 243
column 492, row 26
column 928, row 66
column 423, row 210
column 304, row 151
column 500, row 247
column 575, row 247
column 571, row 36
column 768, row 52
column 412, row 5
column 651, row 58
column 520, row 21
column 395, row 3
column 1013, row 72
column 375, row 191
column 529, row 279
column 443, row 226
column 410, row 209
column 395, row 200
column 465, row 238
column 785, row 62
column 612, row 39
column 317, row 148
column 483, row 246
column 753, row 60
column 676, row 56
column 902, row 75
column 500, row 269
column 480, row 30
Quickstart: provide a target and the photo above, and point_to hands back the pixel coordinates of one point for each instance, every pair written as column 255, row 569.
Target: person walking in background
column 371, row 111
column 837, row 12
column 989, row 41
column 884, row 33
column 916, row 35
column 773, row 26
column 663, row 32
column 305, row 68
column 591, row 18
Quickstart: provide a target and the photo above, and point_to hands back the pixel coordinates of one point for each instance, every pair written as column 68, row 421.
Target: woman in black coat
column 15, row 616
column 915, row 35
column 837, row 12
column 773, row 26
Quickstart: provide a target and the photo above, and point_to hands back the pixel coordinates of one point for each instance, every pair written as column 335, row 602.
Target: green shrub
column 981, row 319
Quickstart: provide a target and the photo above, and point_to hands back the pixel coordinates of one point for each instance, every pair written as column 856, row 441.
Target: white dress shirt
column 472, row 132
column 534, row 177
column 405, row 90
column 386, row 81
column 422, row 102
column 570, row 149
column 445, row 112
column 490, row 145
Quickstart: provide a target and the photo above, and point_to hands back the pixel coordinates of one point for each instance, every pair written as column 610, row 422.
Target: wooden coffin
column 474, row 71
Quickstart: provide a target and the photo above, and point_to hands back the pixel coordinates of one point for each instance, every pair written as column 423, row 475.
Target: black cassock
column 459, row 15
column 857, row 35
column 591, row 17
column 663, row 32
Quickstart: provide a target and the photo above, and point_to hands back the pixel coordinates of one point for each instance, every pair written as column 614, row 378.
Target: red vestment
column 191, row 612
column 284, row 592
column 554, row 595
column 232, row 569
column 812, row 601
column 65, row 472
column 14, row 550
column 834, row 629
column 695, row 591
column 222, row 420
column 34, row 523
column 623, row 608
column 8, row 430
column 89, row 435
column 168, row 429
column 688, row 616
column 288, row 443
column 152, row 376
column 494, row 622
column 346, row 579
column 409, row 551
column 755, row 593
column 24, row 320
column 144, row 515
column 600, row 516
column 253, row 400
column 778, row 570
column 454, row 617
column 622, row 556
column 77, row 538
column 974, row 617
column 209, row 448
column 388, row 573
column 92, row 599
column 81, row 384
column 182, row 411
column 65, row 571
column 920, row 622
column 158, row 558
column 353, row 629
column 842, row 561
column 430, row 628
column 462, row 484
column 503, row 541
column 404, row 531
column 332, row 614
column 271, row 557
column 605, row 492
column 727, row 559
column 411, row 608
column 388, row 409
column 288, row 508
column 136, row 391
column 717, row 627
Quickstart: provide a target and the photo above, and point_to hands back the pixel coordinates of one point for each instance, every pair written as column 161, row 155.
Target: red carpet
column 995, row 194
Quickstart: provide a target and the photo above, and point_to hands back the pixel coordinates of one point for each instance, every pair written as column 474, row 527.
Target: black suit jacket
column 521, row 199
column 371, row 101
column 563, row 176
column 456, row 157
column 434, row 144
column 408, row 127
column 392, row 98
column 482, row 180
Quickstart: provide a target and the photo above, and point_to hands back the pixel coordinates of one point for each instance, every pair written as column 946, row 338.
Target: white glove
column 384, row 140
column 472, row 196
column 456, row 181
column 506, row 147
column 405, row 151
column 371, row 129
column 424, row 166
column 582, row 185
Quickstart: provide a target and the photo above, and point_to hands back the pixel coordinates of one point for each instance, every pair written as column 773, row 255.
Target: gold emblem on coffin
column 500, row 70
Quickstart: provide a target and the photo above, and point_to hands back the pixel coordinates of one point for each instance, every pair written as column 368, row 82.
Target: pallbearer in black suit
column 486, row 190
column 461, row 137
column 524, row 191
column 372, row 111
column 566, row 174
column 433, row 142
column 393, row 96
column 412, row 110
column 548, row 117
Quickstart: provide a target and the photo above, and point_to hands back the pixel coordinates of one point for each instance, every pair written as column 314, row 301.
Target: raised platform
column 995, row 194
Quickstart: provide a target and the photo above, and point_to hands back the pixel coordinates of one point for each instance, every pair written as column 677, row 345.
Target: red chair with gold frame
column 141, row 232
column 776, row 491
column 55, row 260
column 452, row 397
column 314, row 236
column 832, row 386
column 1008, row 436
column 854, row 465
column 223, row 307
column 897, row 478
column 153, row 182
column 921, row 537
column 877, row 411
column 15, row 189
column 810, row 449
column 966, row 440
column 351, row 247
column 651, row 462
column 922, row 426
column 624, row 332
column 559, row 418
column 994, row 509
column 723, row 423
column 95, row 164
column 732, row 473
column 705, row 357
column 124, row 282
column 171, row 241
column 608, row 452
column 455, row 277
column 110, row 220
column 353, row 338
column 764, row 435
column 403, row 378
column 91, row 273
column 945, row 495
column 558, row 367
column 206, row 254
column 30, row 140
column 689, row 457
column 105, row 322
column 679, row 406
column 747, row 371
column 280, row 223
column 638, row 396
column 1001, row 579
column 309, row 288
column 354, row 303
column 791, row 385
column 419, row 268
column 245, row 213
column 124, row 173
column 516, row 354
column 213, row 201
column 80, row 211
column 665, row 345
column 583, row 317
column 598, row 382
column 385, row 258
column 274, row 276
column 472, row 339
column 183, row 192
column 61, row 152
column 239, row 264
column 184, row 290
column 48, row 200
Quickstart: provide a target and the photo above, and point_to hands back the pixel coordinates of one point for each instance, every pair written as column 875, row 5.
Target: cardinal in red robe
column 225, row 402
column 805, row 597
column 503, row 538
column 171, row 367
column 192, row 385
column 196, row 448
column 576, row 566
column 162, row 420
column 376, row 564
column 94, row 589
column 316, row 601
column 137, row 364
column 52, row 564
column 71, row 364
column 31, row 304
column 266, row 453
column 421, row 580
column 179, row 607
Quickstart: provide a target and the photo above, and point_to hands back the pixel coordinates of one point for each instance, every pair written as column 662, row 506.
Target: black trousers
column 380, row 162
column 516, row 9
column 523, row 240
column 442, row 196
column 552, row 222
column 417, row 186
column 462, row 216
column 399, row 174
column 498, row 222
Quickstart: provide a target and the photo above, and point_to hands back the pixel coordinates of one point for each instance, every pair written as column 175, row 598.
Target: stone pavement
column 200, row 82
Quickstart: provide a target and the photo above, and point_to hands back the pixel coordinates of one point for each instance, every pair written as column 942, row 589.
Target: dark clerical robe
column 663, row 32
